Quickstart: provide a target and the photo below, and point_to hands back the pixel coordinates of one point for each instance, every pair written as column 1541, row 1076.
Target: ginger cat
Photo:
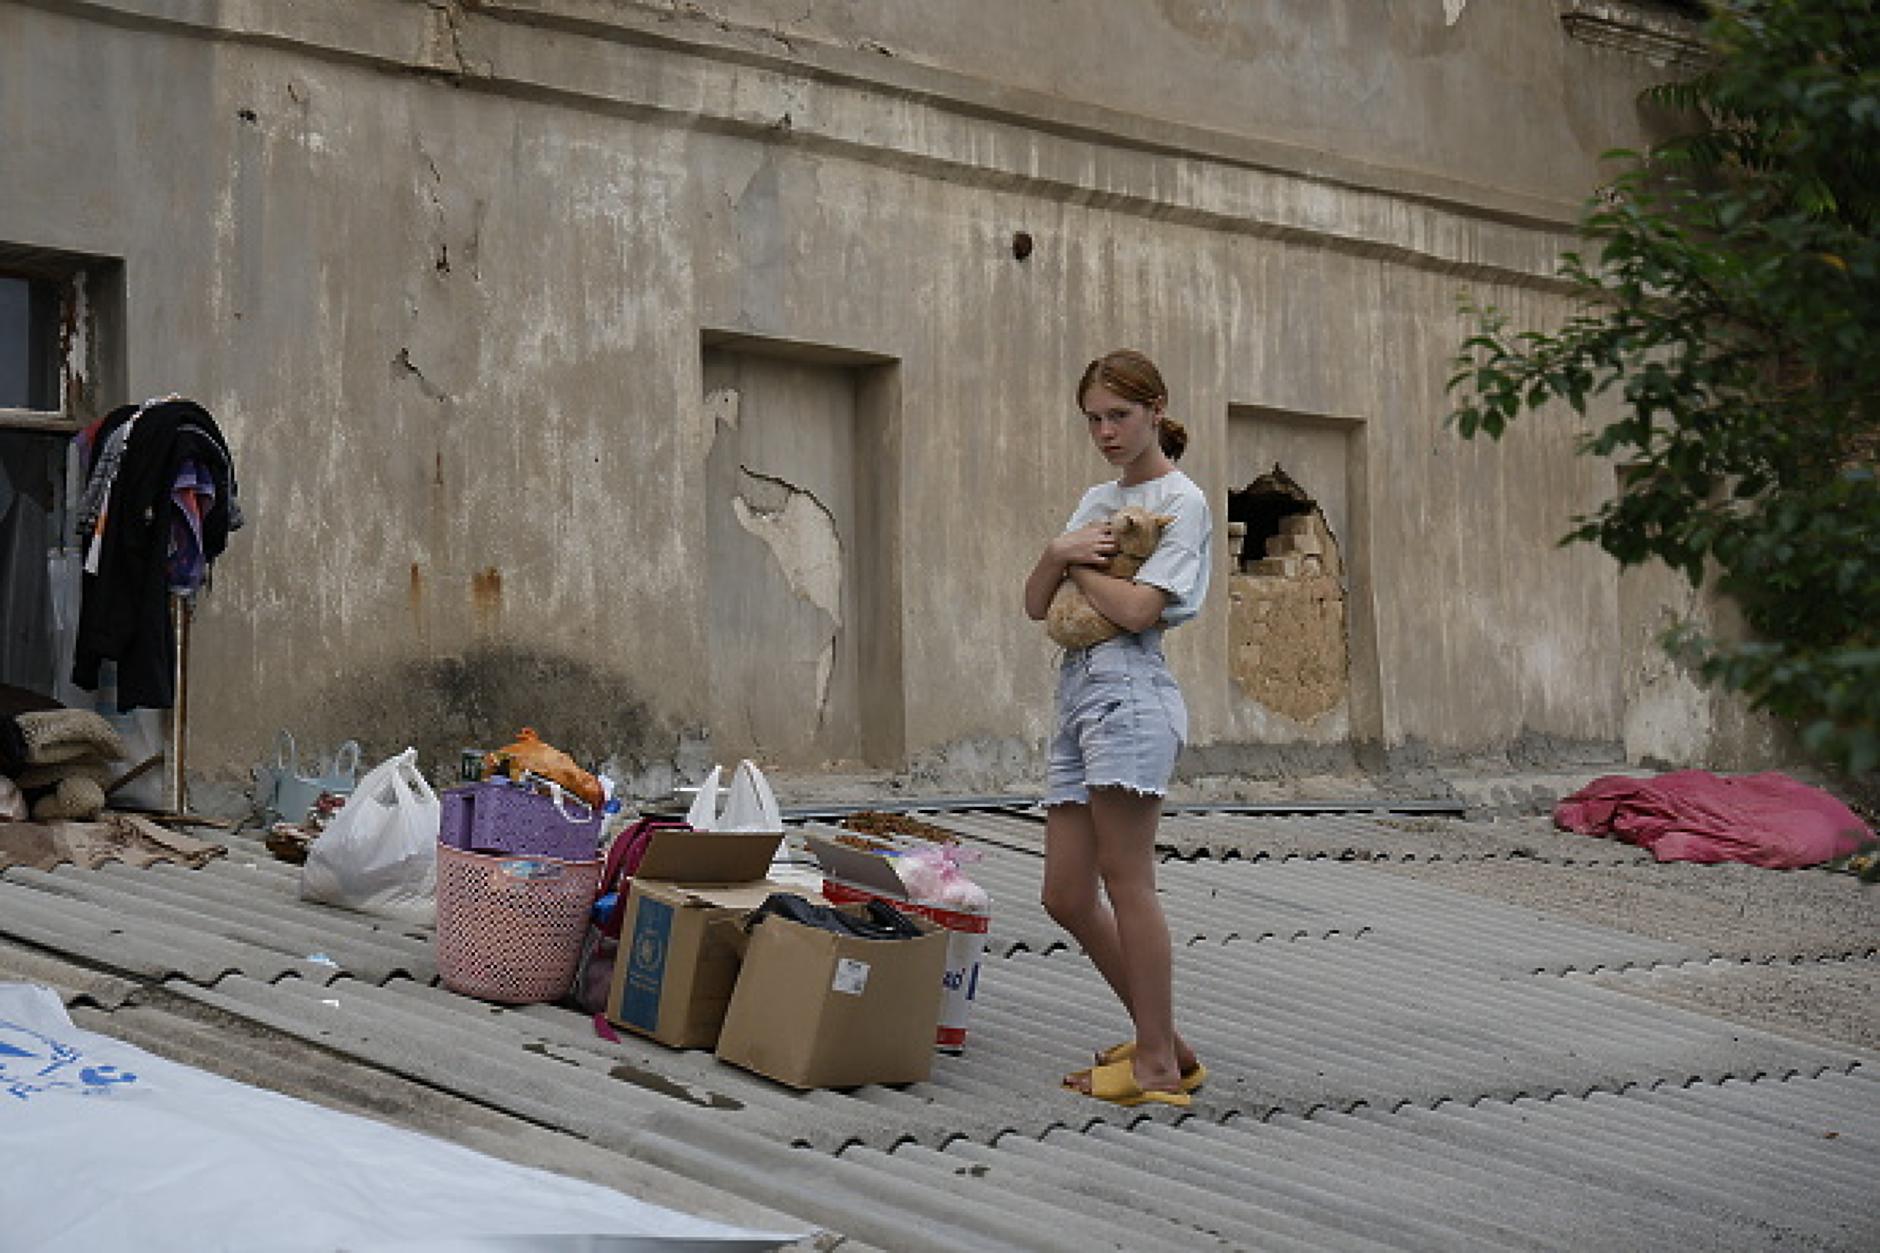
column 1072, row 621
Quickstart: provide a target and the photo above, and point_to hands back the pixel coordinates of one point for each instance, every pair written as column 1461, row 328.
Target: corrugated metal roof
column 1394, row 1064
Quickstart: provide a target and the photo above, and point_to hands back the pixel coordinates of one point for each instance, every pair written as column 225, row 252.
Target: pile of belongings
column 290, row 841
column 58, row 764
column 55, row 780
column 1767, row 819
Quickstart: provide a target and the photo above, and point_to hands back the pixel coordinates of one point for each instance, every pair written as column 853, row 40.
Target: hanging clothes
column 193, row 497
column 160, row 502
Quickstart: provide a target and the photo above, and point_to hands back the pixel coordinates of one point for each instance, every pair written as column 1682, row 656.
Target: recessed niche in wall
column 1295, row 494
column 1287, row 600
column 804, row 598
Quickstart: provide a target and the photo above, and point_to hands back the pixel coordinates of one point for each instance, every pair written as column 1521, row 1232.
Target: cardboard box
column 687, row 856
column 818, row 1009
column 854, row 874
column 679, row 957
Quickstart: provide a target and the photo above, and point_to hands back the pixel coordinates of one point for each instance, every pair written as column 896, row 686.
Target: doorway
column 802, row 537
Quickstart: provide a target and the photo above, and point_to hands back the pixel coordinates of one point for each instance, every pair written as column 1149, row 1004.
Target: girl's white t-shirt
column 1179, row 565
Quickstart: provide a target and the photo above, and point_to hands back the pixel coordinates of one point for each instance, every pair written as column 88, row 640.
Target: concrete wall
column 667, row 376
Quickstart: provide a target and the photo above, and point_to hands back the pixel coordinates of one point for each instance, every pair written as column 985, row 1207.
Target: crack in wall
column 403, row 364
column 801, row 534
column 445, row 48
column 440, row 257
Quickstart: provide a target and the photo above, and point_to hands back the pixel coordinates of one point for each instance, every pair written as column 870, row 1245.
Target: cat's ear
column 1163, row 519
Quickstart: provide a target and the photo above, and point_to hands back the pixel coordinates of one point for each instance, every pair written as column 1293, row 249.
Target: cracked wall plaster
column 722, row 408
column 802, row 536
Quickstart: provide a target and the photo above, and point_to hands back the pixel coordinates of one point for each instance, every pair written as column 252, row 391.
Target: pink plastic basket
column 510, row 928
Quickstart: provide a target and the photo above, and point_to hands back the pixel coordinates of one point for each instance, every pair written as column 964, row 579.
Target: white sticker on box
column 851, row 976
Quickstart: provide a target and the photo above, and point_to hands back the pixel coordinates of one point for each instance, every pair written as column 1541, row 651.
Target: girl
column 1120, row 723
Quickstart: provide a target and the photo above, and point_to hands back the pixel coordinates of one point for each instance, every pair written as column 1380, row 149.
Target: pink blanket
column 1691, row 815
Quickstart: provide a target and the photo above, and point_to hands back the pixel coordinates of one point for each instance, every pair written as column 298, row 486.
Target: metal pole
column 173, row 790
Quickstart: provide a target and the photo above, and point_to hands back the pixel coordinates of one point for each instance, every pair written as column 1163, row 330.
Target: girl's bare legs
column 1111, row 843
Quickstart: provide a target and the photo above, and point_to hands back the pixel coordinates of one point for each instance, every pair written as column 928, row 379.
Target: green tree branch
column 1732, row 308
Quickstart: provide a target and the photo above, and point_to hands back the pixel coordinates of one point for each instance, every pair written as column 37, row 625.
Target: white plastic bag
column 750, row 805
column 379, row 854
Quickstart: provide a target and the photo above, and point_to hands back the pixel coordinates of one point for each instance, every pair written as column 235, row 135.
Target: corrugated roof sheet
column 1395, row 1064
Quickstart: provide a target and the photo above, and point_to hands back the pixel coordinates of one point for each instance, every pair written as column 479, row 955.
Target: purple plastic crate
column 501, row 818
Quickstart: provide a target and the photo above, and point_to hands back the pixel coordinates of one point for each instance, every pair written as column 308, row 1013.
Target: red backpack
column 594, row 977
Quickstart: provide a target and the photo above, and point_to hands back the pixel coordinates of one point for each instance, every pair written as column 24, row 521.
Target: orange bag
column 530, row 755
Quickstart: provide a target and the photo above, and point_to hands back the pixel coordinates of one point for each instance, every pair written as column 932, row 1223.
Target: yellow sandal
column 1116, row 1083
column 1192, row 1078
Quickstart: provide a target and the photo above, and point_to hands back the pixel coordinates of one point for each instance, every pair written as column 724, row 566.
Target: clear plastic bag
column 282, row 792
column 933, row 876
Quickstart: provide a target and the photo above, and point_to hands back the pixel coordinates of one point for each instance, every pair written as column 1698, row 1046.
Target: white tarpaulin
column 106, row 1147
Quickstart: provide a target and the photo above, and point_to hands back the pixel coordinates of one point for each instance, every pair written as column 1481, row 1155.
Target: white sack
column 109, row 1148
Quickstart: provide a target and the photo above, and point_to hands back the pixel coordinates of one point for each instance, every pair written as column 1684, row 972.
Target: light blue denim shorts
column 1121, row 720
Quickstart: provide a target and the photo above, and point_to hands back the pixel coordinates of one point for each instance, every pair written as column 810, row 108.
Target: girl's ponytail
column 1173, row 437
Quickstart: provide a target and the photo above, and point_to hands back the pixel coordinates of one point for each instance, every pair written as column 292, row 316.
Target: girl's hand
column 1090, row 546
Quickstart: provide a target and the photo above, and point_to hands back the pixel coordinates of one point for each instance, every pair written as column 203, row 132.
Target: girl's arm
column 1130, row 605
column 1089, row 547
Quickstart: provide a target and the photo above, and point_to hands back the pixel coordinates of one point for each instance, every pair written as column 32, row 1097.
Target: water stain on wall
column 483, row 697
column 486, row 597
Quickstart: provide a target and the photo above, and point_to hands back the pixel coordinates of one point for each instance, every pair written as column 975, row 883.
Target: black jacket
column 124, row 612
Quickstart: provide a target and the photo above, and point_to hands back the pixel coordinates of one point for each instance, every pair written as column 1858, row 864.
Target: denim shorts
column 1121, row 720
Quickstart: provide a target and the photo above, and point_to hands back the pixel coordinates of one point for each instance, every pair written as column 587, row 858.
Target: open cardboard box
column 851, row 873
column 842, row 859
column 680, row 942
column 680, row 952
column 819, row 1009
column 687, row 856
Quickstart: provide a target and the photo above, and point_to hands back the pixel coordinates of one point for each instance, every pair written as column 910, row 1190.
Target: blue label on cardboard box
column 646, row 964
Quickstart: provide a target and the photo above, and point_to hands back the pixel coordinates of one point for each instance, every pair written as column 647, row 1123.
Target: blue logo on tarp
column 32, row 1064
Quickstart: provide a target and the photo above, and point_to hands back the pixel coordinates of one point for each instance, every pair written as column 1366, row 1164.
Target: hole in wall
column 1277, row 529
column 1287, row 617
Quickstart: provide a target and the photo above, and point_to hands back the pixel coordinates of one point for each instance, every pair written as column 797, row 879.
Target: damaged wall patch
column 800, row 533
